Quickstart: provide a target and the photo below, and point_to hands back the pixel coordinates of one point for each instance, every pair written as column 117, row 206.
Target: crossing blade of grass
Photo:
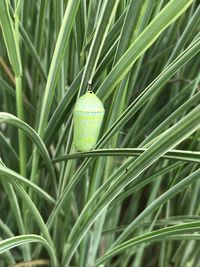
column 16, row 241
column 11, row 119
column 127, row 31
column 161, row 222
column 30, row 205
column 5, row 172
column 8, row 258
column 175, row 115
column 157, row 203
column 107, row 15
column 9, row 37
column 113, row 34
column 58, row 55
column 131, row 189
column 17, row 213
column 8, row 148
column 158, row 235
column 186, row 35
column 7, row 87
column 165, row 111
column 61, row 110
column 142, row 43
column 11, row 92
column 53, row 75
column 6, row 229
column 32, row 51
column 192, row 156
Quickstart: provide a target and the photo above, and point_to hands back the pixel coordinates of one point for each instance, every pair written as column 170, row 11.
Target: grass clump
column 133, row 200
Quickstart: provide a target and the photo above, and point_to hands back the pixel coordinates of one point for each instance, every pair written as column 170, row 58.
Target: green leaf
column 16, row 241
column 13, row 176
column 191, row 156
column 57, row 59
column 169, row 233
column 106, row 17
column 168, row 15
column 11, row 119
column 9, row 37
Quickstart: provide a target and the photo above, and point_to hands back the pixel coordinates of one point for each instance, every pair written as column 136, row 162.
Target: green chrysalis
column 88, row 117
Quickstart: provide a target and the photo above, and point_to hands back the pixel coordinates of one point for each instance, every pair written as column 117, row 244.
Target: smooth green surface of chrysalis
column 88, row 117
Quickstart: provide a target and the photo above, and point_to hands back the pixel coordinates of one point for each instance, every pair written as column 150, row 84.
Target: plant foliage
column 133, row 200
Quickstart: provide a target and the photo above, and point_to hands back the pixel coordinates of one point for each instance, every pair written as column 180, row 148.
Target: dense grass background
column 134, row 199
